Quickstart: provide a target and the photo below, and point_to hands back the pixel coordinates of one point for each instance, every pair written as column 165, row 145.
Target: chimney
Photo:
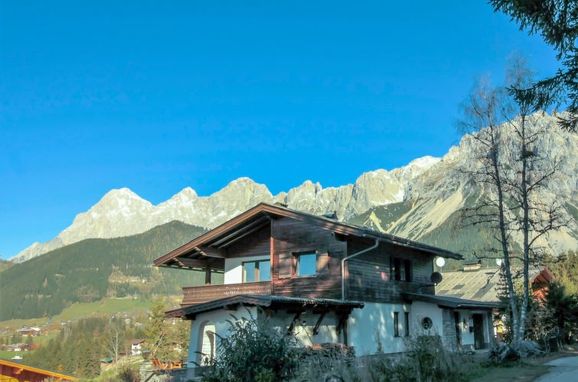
column 330, row 215
column 474, row 265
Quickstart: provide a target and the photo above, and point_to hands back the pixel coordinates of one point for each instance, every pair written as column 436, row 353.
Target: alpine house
column 325, row 281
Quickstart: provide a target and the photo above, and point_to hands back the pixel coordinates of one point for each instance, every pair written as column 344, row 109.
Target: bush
column 426, row 359
column 331, row 363
column 253, row 352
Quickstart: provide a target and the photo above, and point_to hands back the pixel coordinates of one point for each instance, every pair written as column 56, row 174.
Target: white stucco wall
column 219, row 318
column 420, row 310
column 234, row 268
column 466, row 335
column 373, row 324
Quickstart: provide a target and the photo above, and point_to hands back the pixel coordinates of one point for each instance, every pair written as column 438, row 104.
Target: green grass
column 103, row 307
column 77, row 311
column 10, row 354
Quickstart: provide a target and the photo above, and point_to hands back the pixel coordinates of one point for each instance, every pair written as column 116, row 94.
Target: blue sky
column 160, row 95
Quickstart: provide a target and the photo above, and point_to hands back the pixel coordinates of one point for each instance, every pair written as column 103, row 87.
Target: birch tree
column 511, row 171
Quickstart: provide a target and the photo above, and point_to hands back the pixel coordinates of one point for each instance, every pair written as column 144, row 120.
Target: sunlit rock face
column 431, row 189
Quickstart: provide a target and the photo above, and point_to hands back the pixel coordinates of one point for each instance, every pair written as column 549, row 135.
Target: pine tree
column 557, row 22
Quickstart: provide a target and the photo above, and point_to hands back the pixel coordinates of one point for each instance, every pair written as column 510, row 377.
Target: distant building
column 483, row 284
column 29, row 331
column 17, row 347
column 136, row 347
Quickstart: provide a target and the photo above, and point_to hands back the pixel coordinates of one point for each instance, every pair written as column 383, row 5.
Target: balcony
column 200, row 294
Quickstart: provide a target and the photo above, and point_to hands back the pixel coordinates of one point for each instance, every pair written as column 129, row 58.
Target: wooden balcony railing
column 199, row 294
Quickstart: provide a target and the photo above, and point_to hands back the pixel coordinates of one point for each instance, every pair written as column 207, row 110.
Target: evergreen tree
column 557, row 22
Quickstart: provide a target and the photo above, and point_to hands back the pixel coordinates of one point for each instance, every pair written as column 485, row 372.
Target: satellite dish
column 436, row 277
column 440, row 262
column 499, row 262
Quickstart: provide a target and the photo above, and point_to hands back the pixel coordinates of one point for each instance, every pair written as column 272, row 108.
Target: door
column 457, row 324
column 478, row 331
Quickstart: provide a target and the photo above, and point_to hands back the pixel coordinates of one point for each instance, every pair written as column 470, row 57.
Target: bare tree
column 113, row 340
column 482, row 112
column 506, row 131
column 532, row 172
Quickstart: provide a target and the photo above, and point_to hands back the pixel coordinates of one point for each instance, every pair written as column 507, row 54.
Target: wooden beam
column 318, row 323
column 207, row 274
column 340, row 236
column 342, row 326
column 293, row 322
column 210, row 252
column 186, row 262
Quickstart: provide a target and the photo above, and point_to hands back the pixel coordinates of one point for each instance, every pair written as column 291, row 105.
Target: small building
column 474, row 282
column 484, row 284
column 136, row 347
column 29, row 331
column 19, row 347
column 325, row 281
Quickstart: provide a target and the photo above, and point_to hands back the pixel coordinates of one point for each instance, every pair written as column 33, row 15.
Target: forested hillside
column 95, row 268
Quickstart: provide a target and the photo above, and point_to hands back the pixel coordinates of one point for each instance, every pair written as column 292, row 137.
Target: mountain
column 93, row 269
column 419, row 200
column 432, row 209
column 121, row 212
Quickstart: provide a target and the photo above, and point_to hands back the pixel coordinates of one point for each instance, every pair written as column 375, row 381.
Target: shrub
column 253, row 352
column 425, row 360
column 331, row 363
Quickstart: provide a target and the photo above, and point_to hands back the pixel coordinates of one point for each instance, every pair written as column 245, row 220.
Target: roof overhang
column 265, row 301
column 208, row 245
column 453, row 302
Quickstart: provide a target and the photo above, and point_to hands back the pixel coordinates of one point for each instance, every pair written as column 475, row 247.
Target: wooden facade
column 284, row 235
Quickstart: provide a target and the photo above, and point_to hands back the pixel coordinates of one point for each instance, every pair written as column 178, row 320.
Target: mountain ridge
column 121, row 212
column 432, row 191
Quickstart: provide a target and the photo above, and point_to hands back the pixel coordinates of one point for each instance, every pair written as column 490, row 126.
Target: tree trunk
column 525, row 228
column 504, row 239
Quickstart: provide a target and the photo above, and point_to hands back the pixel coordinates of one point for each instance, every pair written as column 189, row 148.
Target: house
column 136, row 347
column 323, row 280
column 483, row 284
column 29, row 331
column 19, row 347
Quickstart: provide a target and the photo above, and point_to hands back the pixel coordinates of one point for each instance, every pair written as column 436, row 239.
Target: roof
column 481, row 284
column 263, row 301
column 259, row 216
column 8, row 366
column 451, row 302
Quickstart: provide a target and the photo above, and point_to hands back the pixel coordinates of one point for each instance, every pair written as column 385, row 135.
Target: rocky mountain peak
column 433, row 187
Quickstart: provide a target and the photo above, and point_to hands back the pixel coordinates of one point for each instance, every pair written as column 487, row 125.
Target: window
column 254, row 271
column 306, row 264
column 401, row 269
column 406, row 324
column 396, row 324
column 426, row 323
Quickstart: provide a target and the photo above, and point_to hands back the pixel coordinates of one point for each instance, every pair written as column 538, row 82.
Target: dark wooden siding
column 369, row 275
column 291, row 237
column 197, row 295
column 255, row 244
